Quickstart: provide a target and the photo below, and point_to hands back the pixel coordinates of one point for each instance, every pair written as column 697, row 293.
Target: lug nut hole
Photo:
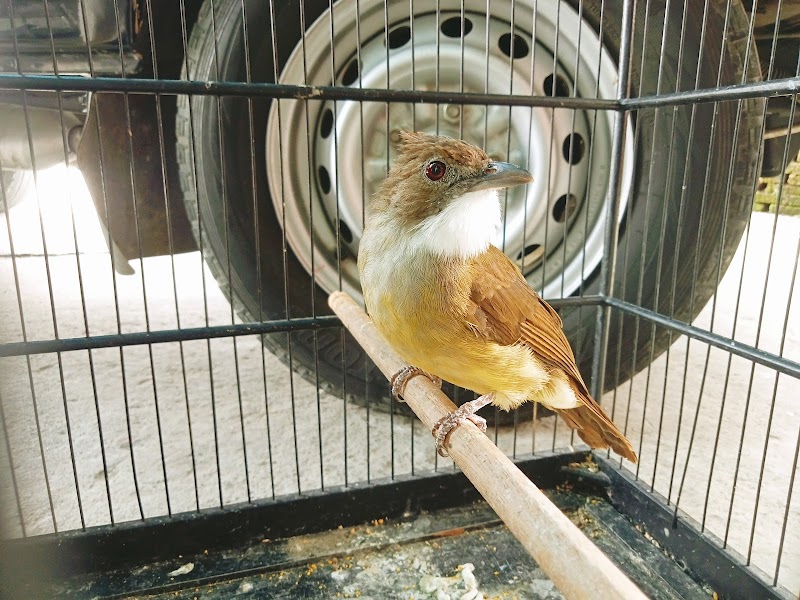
column 455, row 27
column 399, row 37
column 565, row 207
column 555, row 85
column 529, row 249
column 350, row 74
column 324, row 180
column 573, row 148
column 513, row 46
column 326, row 123
column 345, row 233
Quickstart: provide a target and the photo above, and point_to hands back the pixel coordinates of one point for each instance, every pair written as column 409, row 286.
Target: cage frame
column 131, row 542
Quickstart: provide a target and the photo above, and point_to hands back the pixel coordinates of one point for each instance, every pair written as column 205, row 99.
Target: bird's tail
column 596, row 429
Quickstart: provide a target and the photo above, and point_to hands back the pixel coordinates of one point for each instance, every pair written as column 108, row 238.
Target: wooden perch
column 576, row 566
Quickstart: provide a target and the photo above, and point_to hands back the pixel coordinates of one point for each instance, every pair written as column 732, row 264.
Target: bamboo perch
column 576, row 566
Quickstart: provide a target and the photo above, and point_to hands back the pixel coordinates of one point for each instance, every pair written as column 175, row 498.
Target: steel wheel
column 553, row 227
column 277, row 193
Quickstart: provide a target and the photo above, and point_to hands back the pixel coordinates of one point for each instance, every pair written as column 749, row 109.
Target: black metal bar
column 768, row 434
column 162, row 145
column 53, row 315
column 296, row 92
column 614, row 194
column 739, row 91
column 768, row 359
column 722, row 569
column 662, row 230
column 746, row 243
column 166, row 335
column 79, row 271
column 212, row 331
column 108, row 547
column 761, row 89
column 257, row 233
column 747, row 405
column 594, row 300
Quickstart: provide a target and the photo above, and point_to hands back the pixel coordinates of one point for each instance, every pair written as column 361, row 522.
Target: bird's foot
column 465, row 412
column 400, row 380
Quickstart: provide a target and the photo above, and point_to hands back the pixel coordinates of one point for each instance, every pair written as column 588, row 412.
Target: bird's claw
column 445, row 425
column 464, row 413
column 401, row 378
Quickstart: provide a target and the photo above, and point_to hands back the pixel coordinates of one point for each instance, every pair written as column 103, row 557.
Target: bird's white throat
column 464, row 229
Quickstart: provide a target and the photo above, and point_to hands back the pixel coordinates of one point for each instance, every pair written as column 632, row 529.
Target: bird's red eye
column 435, row 170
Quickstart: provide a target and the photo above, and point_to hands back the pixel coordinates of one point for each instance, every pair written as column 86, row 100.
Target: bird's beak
column 501, row 175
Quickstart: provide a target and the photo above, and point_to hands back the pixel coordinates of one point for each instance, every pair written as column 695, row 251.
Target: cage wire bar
column 155, row 400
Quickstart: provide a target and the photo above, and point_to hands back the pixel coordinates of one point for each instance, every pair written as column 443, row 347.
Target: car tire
column 16, row 187
column 695, row 175
column 222, row 152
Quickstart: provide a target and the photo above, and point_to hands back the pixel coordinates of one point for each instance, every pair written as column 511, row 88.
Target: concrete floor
column 267, row 442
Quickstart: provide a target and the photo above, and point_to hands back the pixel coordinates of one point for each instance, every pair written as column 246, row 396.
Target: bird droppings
column 462, row 553
column 182, row 570
column 470, row 582
column 542, row 587
column 450, row 588
column 339, row 575
column 245, row 587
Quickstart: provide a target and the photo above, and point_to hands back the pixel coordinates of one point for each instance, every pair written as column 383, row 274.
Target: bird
column 452, row 305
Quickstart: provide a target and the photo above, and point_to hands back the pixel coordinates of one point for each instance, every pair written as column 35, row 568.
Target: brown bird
column 453, row 305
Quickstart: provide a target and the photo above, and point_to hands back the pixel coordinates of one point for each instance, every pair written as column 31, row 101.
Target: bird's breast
column 416, row 301
column 420, row 306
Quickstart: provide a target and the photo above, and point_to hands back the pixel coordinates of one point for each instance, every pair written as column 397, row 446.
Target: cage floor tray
column 459, row 552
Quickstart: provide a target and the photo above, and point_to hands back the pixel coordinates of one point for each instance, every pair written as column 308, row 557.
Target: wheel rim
column 553, row 227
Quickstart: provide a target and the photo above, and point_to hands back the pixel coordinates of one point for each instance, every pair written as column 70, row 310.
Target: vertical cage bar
column 90, row 357
column 768, row 432
column 611, row 231
column 746, row 246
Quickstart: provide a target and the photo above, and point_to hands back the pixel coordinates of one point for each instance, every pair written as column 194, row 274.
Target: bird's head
column 445, row 190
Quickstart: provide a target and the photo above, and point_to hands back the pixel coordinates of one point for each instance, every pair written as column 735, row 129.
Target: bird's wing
column 505, row 309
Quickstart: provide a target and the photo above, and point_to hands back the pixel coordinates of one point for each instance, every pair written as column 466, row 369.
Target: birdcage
column 185, row 183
